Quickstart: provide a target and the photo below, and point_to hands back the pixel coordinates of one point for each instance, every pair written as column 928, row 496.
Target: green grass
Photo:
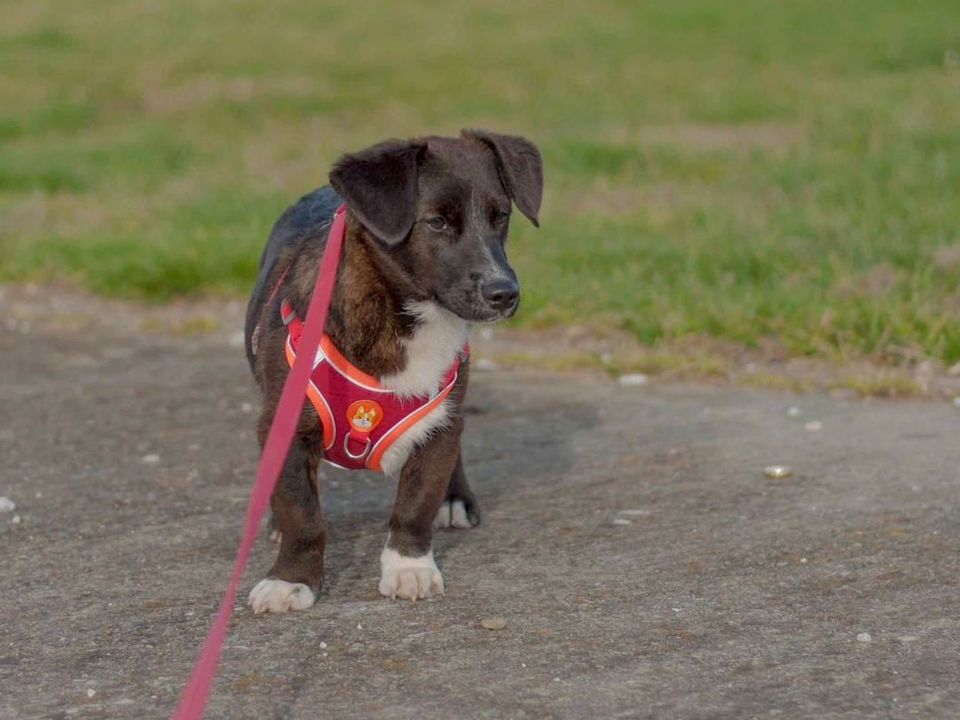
column 729, row 169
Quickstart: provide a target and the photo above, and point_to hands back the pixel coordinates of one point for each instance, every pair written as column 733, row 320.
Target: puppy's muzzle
column 501, row 295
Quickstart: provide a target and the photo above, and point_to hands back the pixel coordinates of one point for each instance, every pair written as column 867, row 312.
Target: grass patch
column 779, row 383
column 729, row 170
column 880, row 384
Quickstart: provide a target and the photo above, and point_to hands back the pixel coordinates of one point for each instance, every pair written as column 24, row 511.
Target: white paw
column 452, row 515
column 279, row 596
column 409, row 578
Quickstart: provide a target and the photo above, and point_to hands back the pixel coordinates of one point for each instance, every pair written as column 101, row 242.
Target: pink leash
column 194, row 698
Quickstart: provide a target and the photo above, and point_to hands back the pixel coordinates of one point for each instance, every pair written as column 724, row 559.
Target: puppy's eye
column 437, row 223
column 500, row 217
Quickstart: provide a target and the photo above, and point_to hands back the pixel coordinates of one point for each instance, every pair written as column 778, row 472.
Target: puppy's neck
column 385, row 325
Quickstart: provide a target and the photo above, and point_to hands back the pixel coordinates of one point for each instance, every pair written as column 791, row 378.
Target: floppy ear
column 380, row 186
column 521, row 169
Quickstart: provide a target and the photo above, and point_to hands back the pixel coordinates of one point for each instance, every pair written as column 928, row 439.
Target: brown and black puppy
column 424, row 257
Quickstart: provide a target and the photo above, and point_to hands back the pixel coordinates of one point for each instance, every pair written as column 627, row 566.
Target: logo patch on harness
column 364, row 415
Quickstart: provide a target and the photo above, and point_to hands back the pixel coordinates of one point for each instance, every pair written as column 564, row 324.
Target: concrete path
column 643, row 563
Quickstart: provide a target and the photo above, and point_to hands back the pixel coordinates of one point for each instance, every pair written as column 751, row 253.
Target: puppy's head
column 441, row 208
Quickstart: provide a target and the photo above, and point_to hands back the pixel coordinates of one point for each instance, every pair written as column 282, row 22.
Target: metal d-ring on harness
column 346, row 446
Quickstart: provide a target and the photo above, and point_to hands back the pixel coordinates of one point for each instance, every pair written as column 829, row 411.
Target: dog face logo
column 364, row 415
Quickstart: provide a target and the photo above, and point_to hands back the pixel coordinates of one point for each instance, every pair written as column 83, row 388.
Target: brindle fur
column 378, row 275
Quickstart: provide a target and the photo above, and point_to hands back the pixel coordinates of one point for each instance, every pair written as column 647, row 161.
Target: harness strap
column 194, row 698
column 287, row 314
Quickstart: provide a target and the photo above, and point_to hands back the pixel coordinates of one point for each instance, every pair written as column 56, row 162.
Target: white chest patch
column 431, row 351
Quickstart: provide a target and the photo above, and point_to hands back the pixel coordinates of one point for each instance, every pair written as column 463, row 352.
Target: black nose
column 501, row 294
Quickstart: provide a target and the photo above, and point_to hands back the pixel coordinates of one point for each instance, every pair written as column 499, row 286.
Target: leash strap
column 195, row 694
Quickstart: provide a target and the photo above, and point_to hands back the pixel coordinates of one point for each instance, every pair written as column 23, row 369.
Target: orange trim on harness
column 397, row 431
column 343, row 366
column 319, row 404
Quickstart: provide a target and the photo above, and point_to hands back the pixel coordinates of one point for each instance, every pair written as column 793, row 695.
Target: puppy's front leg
column 296, row 576
column 407, row 568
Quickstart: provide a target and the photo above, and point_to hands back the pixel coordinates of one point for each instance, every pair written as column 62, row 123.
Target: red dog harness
column 361, row 419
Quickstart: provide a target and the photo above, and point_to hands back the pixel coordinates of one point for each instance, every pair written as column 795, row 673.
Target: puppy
column 424, row 257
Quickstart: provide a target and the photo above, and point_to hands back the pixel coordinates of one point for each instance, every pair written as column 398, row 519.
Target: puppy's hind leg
column 297, row 574
column 459, row 508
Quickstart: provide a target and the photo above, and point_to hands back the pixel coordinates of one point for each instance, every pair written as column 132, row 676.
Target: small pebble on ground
column 493, row 623
column 7, row 505
column 778, row 472
column 150, row 459
column 634, row 379
column 813, row 426
column 864, row 637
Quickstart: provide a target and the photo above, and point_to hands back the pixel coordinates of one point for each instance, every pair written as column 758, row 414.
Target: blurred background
column 775, row 178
